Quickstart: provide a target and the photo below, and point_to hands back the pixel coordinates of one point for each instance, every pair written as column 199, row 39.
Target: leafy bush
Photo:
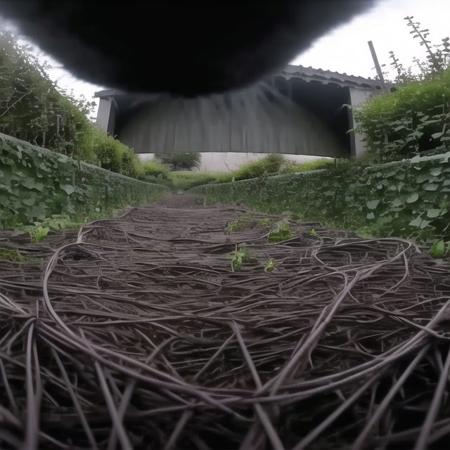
column 37, row 184
column 154, row 170
column 187, row 180
column 292, row 167
column 180, row 161
column 413, row 120
column 409, row 198
column 32, row 109
column 437, row 55
column 269, row 165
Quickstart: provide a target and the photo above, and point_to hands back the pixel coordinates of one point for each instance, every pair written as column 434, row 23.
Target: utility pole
column 377, row 65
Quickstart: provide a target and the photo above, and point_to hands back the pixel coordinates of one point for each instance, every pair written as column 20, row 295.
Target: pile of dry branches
column 137, row 334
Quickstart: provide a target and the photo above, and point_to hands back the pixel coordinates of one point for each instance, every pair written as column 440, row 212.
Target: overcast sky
column 345, row 49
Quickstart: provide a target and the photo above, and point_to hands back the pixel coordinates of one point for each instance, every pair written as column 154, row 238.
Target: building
column 299, row 111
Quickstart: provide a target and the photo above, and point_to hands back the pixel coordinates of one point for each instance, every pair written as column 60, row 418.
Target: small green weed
column 241, row 223
column 12, row 255
column 439, row 249
column 281, row 232
column 38, row 233
column 313, row 232
column 238, row 258
column 270, row 265
column 265, row 223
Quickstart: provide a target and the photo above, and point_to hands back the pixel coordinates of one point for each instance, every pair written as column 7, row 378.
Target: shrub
column 413, row 120
column 37, row 184
column 292, row 167
column 410, row 198
column 153, row 170
column 188, row 180
column 181, row 161
column 32, row 109
column 270, row 165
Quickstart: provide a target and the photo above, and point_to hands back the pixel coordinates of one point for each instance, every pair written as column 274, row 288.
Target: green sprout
column 281, row 232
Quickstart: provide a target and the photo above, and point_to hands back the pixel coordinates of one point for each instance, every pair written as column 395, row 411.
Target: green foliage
column 407, row 199
column 33, row 109
column 241, row 223
column 153, row 170
column 439, row 249
column 11, row 255
column 280, row 232
column 181, row 181
column 38, row 233
column 109, row 153
column 238, row 258
column 269, row 165
column 437, row 56
column 180, row 161
column 270, row 265
column 318, row 164
column 413, row 120
column 36, row 184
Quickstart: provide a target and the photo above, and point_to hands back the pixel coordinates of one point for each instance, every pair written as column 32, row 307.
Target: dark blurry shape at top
column 182, row 47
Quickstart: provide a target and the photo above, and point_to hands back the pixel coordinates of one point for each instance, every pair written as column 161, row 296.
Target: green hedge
column 407, row 198
column 36, row 183
column 413, row 120
column 32, row 108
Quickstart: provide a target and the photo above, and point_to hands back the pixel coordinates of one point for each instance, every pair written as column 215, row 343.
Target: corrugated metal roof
column 309, row 74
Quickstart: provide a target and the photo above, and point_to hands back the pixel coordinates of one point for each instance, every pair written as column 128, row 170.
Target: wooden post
column 377, row 65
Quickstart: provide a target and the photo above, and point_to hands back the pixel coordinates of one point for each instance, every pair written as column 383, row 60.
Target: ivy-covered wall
column 409, row 198
column 36, row 183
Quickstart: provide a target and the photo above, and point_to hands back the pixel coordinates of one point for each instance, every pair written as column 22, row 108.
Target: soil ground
column 188, row 326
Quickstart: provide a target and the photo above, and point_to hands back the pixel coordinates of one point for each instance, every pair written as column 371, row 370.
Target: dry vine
column 137, row 334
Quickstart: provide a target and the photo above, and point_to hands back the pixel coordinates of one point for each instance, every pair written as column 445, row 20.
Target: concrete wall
column 357, row 98
column 106, row 115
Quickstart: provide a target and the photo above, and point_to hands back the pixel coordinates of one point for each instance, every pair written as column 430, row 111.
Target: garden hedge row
column 36, row 183
column 409, row 198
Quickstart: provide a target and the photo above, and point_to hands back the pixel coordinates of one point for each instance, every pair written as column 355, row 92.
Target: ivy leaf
column 431, row 187
column 412, row 198
column 438, row 249
column 28, row 201
column 30, row 183
column 432, row 213
column 372, row 204
column 417, row 222
column 436, row 171
column 397, row 202
column 370, row 216
column 68, row 188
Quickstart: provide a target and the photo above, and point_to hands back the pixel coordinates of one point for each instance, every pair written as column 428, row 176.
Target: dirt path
column 184, row 326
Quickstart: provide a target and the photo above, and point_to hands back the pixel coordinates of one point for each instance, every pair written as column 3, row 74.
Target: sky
column 344, row 49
